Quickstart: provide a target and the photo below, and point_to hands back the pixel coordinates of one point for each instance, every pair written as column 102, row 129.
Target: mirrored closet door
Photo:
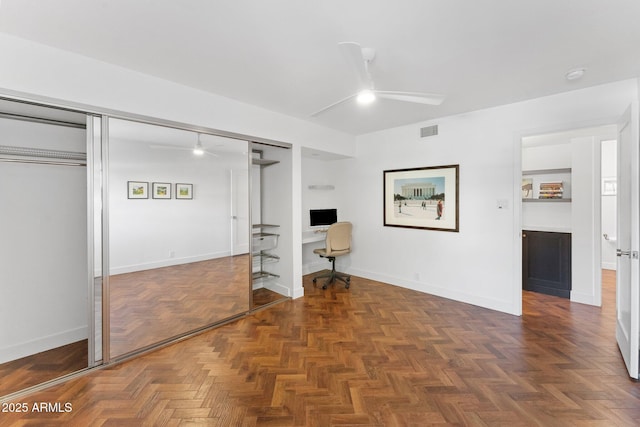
column 178, row 227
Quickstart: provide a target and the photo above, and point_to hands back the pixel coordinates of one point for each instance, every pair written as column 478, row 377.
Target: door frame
column 518, row 224
column 518, row 220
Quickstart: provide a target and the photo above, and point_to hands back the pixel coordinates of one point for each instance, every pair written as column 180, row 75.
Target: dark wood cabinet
column 546, row 262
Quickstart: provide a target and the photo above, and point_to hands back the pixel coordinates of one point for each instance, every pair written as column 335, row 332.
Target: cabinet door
column 546, row 263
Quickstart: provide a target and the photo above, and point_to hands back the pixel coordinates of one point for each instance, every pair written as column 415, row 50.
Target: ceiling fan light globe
column 198, row 150
column 366, row 97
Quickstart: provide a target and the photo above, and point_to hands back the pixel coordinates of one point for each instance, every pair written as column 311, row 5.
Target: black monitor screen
column 319, row 217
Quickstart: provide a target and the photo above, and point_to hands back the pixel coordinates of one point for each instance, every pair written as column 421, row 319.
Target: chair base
column 333, row 275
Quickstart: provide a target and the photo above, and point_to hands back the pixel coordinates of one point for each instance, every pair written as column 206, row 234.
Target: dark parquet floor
column 154, row 305
column 38, row 368
column 372, row 355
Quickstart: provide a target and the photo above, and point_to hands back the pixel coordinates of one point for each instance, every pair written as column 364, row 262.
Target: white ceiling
column 283, row 55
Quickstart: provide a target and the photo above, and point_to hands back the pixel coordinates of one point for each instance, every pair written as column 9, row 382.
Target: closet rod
column 43, row 156
column 42, row 162
column 42, row 120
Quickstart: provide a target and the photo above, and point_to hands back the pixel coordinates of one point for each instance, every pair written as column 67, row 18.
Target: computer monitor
column 322, row 217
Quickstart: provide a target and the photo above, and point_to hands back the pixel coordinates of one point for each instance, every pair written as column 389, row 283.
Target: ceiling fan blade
column 416, row 97
column 353, row 53
column 169, row 147
column 178, row 148
column 333, row 105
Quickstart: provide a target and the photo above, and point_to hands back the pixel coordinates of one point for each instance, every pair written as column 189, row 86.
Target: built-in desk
column 313, row 236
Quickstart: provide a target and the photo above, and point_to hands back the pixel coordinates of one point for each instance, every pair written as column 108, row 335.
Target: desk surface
column 313, row 236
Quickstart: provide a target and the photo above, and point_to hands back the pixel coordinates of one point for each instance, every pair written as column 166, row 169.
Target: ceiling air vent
column 428, row 131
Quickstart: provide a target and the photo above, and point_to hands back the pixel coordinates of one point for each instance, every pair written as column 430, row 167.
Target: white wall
column 43, row 244
column 482, row 263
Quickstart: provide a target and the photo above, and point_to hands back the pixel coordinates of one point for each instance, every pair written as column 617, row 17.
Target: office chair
column 337, row 243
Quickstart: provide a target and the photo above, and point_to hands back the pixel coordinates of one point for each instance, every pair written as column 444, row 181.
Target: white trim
column 167, row 263
column 43, row 343
column 275, row 287
column 439, row 290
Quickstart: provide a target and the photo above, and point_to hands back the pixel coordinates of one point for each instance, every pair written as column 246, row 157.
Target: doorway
column 570, row 160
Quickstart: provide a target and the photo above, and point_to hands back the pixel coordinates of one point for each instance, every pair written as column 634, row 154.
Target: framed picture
column 425, row 198
column 161, row 190
column 184, row 191
column 527, row 188
column 137, row 190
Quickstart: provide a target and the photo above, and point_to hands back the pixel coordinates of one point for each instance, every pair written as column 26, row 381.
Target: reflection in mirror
column 178, row 233
column 43, row 248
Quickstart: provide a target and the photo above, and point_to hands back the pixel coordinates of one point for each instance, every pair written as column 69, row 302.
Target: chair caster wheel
column 346, row 286
column 324, row 286
column 314, row 281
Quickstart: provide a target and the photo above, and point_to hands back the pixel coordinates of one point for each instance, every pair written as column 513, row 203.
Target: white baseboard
column 608, row 266
column 505, row 306
column 274, row 286
column 38, row 345
column 166, row 263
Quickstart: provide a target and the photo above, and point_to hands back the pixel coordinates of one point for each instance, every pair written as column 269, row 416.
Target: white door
column 239, row 211
column 627, row 294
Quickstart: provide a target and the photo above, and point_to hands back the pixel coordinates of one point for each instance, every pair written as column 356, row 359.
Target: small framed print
column 161, row 190
column 137, row 190
column 184, row 191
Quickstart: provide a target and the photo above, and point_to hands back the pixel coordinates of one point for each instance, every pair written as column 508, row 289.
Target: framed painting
column 424, row 198
column 161, row 190
column 184, row 191
column 137, row 190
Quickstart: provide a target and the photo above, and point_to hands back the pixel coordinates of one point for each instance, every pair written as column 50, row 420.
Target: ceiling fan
column 197, row 150
column 360, row 59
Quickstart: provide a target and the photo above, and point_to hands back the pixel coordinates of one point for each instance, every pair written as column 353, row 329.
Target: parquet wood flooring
column 373, row 355
column 264, row 296
column 154, row 305
column 41, row 367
